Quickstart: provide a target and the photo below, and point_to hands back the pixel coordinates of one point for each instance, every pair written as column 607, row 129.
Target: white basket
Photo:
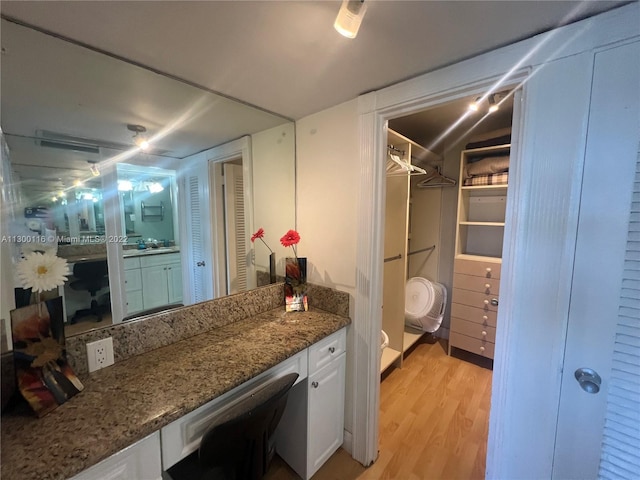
column 425, row 302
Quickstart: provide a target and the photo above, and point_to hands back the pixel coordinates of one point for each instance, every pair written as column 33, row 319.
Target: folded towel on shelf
column 489, row 139
column 491, row 179
column 487, row 166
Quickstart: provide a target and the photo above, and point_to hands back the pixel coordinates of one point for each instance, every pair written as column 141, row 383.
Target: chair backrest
column 91, row 275
column 239, row 438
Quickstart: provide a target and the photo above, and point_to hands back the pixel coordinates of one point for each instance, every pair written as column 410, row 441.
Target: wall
column 326, row 186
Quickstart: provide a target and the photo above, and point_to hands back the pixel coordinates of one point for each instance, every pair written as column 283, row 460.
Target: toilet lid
column 419, row 297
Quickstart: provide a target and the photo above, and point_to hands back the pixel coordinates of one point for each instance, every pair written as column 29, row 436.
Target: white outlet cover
column 100, row 354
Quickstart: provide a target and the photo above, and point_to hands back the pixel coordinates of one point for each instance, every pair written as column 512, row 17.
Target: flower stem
column 265, row 244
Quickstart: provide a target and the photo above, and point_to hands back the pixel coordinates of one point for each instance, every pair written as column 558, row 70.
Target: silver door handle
column 588, row 379
column 494, row 302
column 200, row 264
column 314, row 384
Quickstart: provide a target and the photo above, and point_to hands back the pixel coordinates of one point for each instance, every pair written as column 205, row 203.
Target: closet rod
column 394, row 149
column 432, row 247
column 390, row 259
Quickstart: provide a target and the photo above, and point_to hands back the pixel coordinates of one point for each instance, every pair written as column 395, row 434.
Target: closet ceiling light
column 493, row 106
column 474, row 106
column 349, row 17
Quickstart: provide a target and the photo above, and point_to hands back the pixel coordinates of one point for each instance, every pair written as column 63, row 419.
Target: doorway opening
column 445, row 208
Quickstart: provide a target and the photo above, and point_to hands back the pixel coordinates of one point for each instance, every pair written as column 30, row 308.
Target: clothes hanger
column 405, row 167
column 436, row 179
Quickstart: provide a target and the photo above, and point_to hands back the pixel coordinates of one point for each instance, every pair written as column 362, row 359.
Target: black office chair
column 238, row 444
column 91, row 276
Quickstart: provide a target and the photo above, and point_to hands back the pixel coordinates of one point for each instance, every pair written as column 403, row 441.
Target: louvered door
column 603, row 332
column 198, row 241
column 235, row 229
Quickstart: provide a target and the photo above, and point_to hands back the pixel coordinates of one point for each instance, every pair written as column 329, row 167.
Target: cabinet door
column 174, row 285
column 326, row 413
column 139, row 461
column 155, row 290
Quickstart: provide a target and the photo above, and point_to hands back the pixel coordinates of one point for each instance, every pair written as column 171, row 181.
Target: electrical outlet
column 100, row 354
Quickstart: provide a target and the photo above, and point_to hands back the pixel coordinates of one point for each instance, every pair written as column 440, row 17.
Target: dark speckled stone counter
column 124, row 403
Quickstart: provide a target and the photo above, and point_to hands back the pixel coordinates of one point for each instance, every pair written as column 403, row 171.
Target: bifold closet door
column 603, row 339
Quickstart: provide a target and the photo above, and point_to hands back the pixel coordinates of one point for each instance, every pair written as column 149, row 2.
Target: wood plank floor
column 434, row 420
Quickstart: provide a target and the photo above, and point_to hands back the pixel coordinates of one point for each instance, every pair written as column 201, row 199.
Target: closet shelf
column 484, row 224
column 502, row 186
column 476, row 152
column 389, row 355
column 478, row 258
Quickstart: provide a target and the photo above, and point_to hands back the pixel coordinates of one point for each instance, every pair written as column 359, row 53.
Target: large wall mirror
column 161, row 225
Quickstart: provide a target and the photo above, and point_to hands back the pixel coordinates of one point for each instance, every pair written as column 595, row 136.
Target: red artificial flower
column 290, row 239
column 258, row 234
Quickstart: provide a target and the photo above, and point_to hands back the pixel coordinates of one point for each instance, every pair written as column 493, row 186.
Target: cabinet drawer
column 488, row 286
column 477, row 268
column 475, row 330
column 132, row 280
column 159, row 259
column 475, row 299
column 183, row 436
column 130, row 263
column 473, row 345
column 476, row 315
column 326, row 350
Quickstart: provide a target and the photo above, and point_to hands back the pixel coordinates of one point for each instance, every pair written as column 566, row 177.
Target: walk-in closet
column 446, row 197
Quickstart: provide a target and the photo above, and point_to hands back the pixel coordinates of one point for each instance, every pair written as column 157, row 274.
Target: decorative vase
column 272, row 267
column 295, row 284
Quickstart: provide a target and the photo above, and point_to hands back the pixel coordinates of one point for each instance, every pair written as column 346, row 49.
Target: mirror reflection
column 75, row 167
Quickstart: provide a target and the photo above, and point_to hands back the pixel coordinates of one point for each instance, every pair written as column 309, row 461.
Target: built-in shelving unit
column 479, row 233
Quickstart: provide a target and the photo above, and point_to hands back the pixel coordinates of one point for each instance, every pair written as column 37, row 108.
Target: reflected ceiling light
column 87, row 196
column 139, row 138
column 54, row 199
column 125, row 185
column 62, row 194
column 155, row 187
column 77, row 183
column 349, row 17
column 94, row 168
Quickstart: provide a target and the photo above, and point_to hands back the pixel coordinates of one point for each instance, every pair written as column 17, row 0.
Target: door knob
column 588, row 379
column 200, row 264
column 494, row 302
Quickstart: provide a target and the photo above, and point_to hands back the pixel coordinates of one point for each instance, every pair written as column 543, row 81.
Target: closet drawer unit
column 475, row 330
column 473, row 345
column 488, row 286
column 477, row 268
column 481, row 316
column 475, row 299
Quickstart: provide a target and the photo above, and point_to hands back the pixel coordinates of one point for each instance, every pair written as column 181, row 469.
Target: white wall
column 327, row 188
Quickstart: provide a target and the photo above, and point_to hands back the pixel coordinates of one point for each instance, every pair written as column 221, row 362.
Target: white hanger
column 405, row 167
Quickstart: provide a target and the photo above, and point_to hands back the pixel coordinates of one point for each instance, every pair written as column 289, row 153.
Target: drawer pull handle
column 488, row 269
column 484, row 333
column 332, row 349
column 487, row 285
column 485, row 318
column 494, row 302
column 315, row 384
column 482, row 349
column 486, row 302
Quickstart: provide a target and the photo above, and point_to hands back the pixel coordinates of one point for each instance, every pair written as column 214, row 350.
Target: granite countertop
column 85, row 258
column 130, row 253
column 126, row 402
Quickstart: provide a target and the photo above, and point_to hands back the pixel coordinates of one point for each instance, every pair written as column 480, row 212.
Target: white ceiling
column 285, row 56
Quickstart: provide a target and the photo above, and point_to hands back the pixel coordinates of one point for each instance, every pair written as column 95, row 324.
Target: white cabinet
column 133, row 285
column 312, row 426
column 138, row 461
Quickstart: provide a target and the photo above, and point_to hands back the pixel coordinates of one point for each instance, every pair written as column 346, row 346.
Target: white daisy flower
column 41, row 272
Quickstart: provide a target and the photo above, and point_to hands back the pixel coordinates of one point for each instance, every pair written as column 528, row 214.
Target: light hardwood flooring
column 434, row 420
column 85, row 324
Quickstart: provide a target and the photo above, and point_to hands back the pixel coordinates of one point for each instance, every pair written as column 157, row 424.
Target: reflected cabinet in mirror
column 150, row 187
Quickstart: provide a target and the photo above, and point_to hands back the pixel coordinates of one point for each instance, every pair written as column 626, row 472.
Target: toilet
column 425, row 302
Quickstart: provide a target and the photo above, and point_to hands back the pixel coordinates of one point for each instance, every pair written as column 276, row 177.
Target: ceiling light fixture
column 155, row 187
column 349, row 17
column 94, row 168
column 139, row 138
column 493, row 106
column 474, row 106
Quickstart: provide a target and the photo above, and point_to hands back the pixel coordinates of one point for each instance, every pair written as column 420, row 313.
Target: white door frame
column 535, row 209
column 240, row 148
